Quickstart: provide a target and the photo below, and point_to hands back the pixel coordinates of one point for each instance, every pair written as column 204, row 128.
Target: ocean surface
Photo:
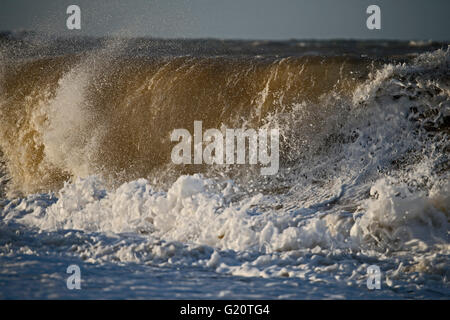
column 86, row 176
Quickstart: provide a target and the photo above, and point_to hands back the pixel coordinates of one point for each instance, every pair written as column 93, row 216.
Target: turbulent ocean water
column 87, row 179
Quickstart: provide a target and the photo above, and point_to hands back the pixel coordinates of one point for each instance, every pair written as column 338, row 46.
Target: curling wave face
column 363, row 174
column 71, row 117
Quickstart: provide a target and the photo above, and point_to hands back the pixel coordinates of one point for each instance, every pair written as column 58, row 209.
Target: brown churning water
column 116, row 116
column 104, row 112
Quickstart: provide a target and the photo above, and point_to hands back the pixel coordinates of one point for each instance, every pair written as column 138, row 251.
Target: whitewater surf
column 87, row 177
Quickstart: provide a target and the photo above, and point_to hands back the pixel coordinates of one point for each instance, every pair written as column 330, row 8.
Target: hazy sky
column 243, row 19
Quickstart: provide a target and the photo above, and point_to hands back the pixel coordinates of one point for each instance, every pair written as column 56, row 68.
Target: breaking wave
column 364, row 160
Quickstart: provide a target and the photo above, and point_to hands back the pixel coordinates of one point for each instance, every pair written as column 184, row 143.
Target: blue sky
column 234, row 19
